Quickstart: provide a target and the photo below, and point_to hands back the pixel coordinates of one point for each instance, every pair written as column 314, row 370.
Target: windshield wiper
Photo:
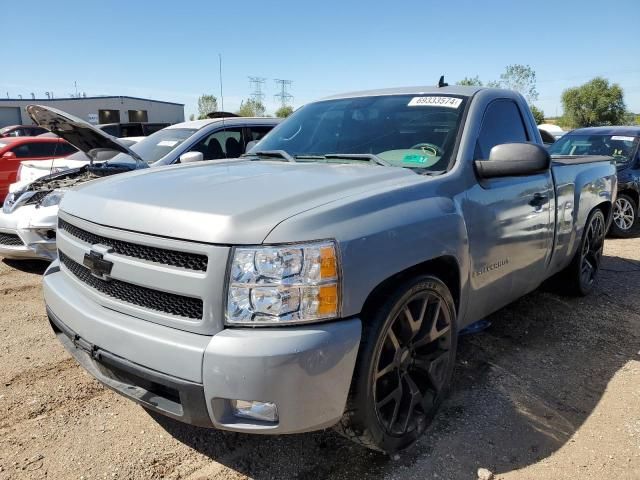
column 360, row 156
column 274, row 153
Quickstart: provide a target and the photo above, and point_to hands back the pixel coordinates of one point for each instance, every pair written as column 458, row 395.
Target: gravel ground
column 550, row 390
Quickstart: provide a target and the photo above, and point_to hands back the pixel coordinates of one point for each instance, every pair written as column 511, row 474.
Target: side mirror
column 250, row 145
column 9, row 155
column 191, row 157
column 514, row 159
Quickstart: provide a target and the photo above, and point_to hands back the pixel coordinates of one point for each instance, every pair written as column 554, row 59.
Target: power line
column 256, row 84
column 284, row 97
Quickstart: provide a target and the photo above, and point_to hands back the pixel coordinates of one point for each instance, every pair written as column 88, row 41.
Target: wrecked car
column 29, row 215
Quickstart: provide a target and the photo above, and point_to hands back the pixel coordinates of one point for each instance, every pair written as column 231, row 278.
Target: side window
column 35, row 131
column 131, row 131
column 502, row 123
column 65, row 149
column 221, row 144
column 256, row 133
column 42, row 149
column 22, row 151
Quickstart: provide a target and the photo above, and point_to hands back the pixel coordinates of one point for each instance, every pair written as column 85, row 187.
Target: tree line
column 595, row 103
column 208, row 104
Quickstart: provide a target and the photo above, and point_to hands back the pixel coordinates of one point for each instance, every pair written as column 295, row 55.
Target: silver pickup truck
column 322, row 279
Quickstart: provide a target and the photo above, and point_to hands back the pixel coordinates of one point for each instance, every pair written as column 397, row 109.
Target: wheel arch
column 631, row 192
column 607, row 209
column 445, row 267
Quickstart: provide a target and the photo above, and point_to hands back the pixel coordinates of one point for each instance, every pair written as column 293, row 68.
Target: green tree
column 595, row 103
column 206, row 104
column 538, row 114
column 251, row 108
column 469, row 81
column 521, row 78
column 284, row 111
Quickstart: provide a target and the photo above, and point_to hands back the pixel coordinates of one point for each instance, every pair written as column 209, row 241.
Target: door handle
column 538, row 200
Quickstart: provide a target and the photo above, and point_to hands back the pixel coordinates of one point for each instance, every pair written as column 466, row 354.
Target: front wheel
column 625, row 212
column 404, row 366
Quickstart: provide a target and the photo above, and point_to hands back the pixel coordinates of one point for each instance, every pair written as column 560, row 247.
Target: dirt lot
column 550, row 390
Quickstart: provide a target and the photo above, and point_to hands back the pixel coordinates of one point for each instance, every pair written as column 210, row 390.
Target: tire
column 579, row 278
column 625, row 215
column 404, row 366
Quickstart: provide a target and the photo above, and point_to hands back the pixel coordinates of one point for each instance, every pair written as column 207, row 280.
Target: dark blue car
column 620, row 143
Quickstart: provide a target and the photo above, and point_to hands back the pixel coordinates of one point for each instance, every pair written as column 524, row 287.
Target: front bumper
column 36, row 229
column 306, row 371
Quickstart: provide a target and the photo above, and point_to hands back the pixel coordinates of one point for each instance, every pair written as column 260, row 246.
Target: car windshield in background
column 411, row 131
column 156, row 146
column 620, row 147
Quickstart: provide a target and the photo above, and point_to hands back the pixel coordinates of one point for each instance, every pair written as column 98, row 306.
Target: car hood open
column 237, row 202
column 82, row 135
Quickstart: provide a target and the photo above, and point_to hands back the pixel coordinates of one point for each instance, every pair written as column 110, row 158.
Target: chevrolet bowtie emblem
column 97, row 265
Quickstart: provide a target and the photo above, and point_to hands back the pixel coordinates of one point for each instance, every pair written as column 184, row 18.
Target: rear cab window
column 502, row 123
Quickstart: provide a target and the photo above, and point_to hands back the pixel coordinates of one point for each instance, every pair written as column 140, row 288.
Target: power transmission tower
column 256, row 84
column 284, row 97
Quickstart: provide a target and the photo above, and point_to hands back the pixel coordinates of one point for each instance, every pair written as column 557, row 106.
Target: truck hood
column 82, row 135
column 236, row 202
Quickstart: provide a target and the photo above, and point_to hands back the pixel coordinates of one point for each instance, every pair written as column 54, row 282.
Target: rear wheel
column 625, row 213
column 404, row 366
column 580, row 276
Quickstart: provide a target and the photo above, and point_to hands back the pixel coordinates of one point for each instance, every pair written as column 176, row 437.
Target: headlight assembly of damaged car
column 279, row 285
column 9, row 202
column 52, row 199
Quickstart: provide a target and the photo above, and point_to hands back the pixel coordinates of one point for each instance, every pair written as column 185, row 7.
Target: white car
column 29, row 216
column 31, row 170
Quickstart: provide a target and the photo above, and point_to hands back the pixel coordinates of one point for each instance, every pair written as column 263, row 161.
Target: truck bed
column 578, row 159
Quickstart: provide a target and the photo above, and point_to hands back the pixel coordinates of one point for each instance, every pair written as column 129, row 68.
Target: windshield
column 620, row 147
column 410, row 131
column 157, row 145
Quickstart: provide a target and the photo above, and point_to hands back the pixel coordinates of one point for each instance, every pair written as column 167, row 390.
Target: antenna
column 220, row 75
column 284, row 97
column 256, row 84
column 442, row 83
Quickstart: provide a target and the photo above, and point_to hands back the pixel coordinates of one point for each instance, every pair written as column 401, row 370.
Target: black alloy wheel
column 592, row 247
column 404, row 366
column 411, row 367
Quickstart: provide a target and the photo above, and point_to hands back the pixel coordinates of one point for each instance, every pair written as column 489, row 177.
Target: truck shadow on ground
column 521, row 390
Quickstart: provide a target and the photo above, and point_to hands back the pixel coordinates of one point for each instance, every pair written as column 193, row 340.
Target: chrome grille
column 165, row 302
column 189, row 261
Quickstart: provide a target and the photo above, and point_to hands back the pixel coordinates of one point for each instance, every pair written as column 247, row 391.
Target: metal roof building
column 106, row 109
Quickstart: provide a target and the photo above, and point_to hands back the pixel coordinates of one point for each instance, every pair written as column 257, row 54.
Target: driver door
column 509, row 220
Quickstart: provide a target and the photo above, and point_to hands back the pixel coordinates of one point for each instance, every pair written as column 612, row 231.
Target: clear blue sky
column 169, row 50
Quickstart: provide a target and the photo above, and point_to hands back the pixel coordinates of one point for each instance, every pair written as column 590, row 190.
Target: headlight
column 52, row 198
column 9, row 201
column 287, row 284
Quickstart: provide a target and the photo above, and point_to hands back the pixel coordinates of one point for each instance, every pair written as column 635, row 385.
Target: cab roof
column 466, row 91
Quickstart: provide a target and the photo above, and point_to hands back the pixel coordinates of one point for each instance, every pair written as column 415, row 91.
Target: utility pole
column 256, row 84
column 284, row 97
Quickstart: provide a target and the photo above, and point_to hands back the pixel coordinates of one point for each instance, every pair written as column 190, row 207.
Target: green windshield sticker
column 416, row 159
